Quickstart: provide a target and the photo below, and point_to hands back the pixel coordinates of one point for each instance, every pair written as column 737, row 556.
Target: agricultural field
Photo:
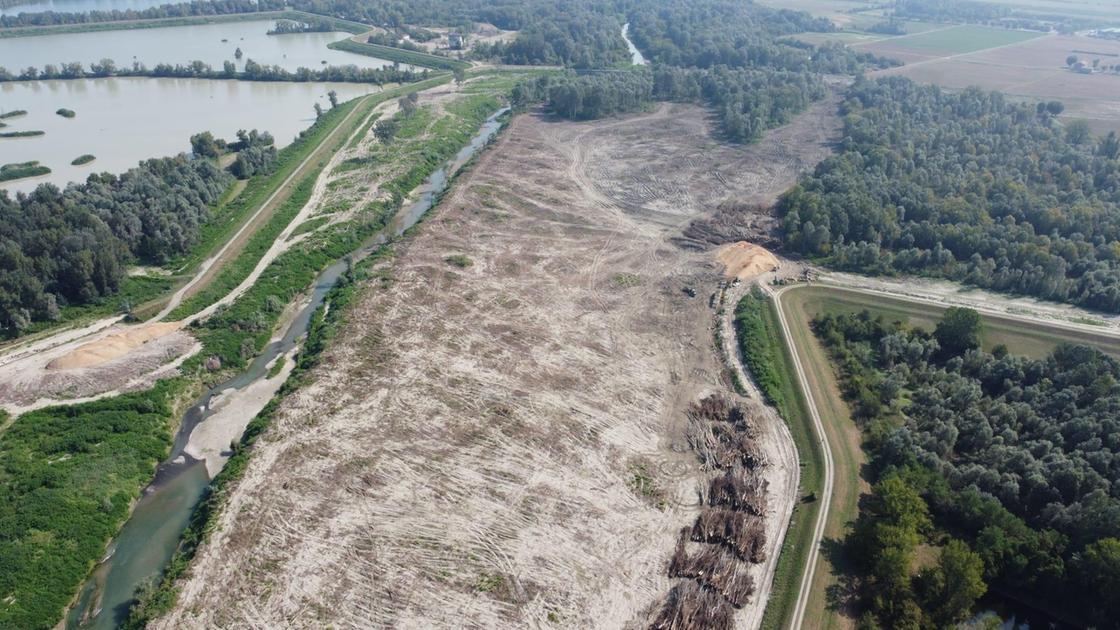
column 946, row 42
column 1035, row 70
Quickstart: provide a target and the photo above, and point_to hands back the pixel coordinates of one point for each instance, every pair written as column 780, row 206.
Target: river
column 151, row 535
column 210, row 43
column 636, row 56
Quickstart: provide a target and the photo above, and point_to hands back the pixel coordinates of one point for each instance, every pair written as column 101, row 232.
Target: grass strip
column 760, row 341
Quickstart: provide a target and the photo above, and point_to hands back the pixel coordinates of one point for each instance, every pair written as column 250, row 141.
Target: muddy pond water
column 121, row 121
column 210, row 43
column 149, row 538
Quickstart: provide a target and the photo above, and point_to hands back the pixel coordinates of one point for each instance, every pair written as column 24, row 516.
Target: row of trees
column 1019, row 458
column 178, row 10
column 253, row 71
column 968, row 186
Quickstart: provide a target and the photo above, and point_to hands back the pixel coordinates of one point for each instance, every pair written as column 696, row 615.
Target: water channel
column 636, row 56
column 151, row 535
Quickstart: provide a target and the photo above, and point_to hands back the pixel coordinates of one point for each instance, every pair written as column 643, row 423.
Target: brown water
column 182, row 45
column 122, row 121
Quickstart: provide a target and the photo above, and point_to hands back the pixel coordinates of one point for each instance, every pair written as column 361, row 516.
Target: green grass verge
column 400, row 55
column 760, row 337
column 68, row 478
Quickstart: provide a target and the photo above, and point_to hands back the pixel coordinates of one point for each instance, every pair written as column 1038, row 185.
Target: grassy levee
column 345, row 26
column 401, row 55
column 772, row 356
column 68, row 479
column 285, row 207
column 845, row 443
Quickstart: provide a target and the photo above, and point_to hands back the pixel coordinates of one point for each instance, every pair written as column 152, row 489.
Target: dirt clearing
column 498, row 438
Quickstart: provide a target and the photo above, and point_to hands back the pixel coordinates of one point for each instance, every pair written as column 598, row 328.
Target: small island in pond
column 83, row 159
column 20, row 170
column 22, row 134
column 66, row 113
column 14, row 113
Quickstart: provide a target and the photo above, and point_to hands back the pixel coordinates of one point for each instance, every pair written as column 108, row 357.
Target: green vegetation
column 399, row 55
column 66, row 113
column 21, row 134
column 20, row 170
column 935, row 183
column 979, row 440
column 761, row 346
column 68, row 477
column 458, row 260
column 14, row 113
column 325, row 323
column 83, row 159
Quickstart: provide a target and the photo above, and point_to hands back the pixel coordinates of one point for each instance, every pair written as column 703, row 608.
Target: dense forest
column 1010, row 463
column 70, row 246
column 968, row 186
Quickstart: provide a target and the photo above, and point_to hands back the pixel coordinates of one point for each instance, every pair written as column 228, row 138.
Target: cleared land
column 491, row 445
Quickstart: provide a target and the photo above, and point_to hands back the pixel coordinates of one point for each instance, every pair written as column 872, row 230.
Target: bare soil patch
column 744, row 260
column 502, row 444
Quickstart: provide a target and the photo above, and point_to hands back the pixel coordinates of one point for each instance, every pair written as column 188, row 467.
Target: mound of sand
column 112, row 346
column 745, row 260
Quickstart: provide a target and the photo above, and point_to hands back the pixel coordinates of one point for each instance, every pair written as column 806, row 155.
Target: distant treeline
column 71, row 246
column 285, row 27
column 185, row 9
column 199, row 70
column 968, row 186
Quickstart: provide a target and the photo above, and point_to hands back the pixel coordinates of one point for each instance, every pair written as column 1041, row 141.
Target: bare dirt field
column 498, row 438
column 1034, row 70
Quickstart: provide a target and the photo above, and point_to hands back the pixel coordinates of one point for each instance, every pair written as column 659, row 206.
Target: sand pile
column 744, row 260
column 112, row 346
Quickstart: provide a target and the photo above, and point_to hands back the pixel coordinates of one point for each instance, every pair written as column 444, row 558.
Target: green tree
column 318, row 111
column 959, row 330
column 460, row 76
column 1098, row 569
column 1071, row 60
column 333, row 97
column 1078, row 132
column 952, row 587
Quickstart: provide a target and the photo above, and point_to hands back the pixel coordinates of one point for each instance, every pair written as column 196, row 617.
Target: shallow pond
column 122, row 121
column 182, row 45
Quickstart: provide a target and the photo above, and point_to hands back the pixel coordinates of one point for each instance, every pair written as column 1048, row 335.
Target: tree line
column 968, row 186
column 253, row 71
column 177, row 10
column 1012, row 461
